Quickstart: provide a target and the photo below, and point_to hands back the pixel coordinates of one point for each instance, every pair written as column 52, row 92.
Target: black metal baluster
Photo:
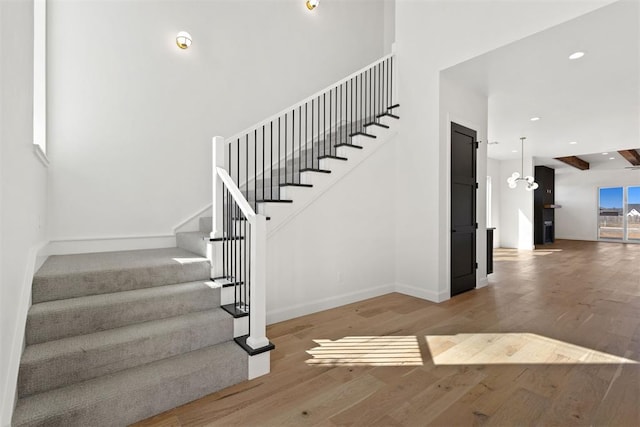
column 246, row 166
column 255, row 170
column 224, row 222
column 278, row 156
column 250, row 279
column 330, row 117
column 300, row 141
column 306, row 138
column 293, row 145
column 351, row 109
column 324, row 125
column 245, row 261
column 312, row 122
column 341, row 113
column 271, row 164
column 285, row 153
column 391, row 85
column 263, row 169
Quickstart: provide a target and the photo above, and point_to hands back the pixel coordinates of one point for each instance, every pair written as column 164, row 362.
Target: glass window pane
column 633, row 213
column 611, row 219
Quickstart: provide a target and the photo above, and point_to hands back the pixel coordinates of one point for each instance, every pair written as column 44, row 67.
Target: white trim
column 482, row 282
column 108, row 244
column 308, row 99
column 426, row 294
column 191, row 218
column 259, row 365
column 17, row 345
column 37, row 149
column 274, row 316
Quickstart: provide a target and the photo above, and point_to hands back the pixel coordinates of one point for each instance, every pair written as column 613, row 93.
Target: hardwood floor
column 553, row 340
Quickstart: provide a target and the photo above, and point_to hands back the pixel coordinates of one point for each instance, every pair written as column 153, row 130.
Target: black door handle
column 453, row 230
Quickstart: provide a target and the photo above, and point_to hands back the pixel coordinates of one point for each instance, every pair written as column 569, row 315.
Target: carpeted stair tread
column 66, row 361
column 131, row 395
column 54, row 320
column 70, row 276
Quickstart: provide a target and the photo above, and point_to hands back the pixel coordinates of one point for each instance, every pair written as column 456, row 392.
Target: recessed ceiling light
column 535, row 119
column 612, row 158
column 514, row 151
column 604, row 154
column 576, row 55
column 573, row 142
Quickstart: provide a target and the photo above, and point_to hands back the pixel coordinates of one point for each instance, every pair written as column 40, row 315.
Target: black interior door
column 463, row 209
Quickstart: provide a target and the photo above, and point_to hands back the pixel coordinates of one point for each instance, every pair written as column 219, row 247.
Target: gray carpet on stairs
column 137, row 393
column 70, row 276
column 113, row 338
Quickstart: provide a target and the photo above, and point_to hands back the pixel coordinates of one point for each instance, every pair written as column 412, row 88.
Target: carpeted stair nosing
column 54, row 320
column 71, row 276
column 131, row 395
column 66, row 361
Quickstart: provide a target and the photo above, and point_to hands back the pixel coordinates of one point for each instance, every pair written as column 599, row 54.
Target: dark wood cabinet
column 544, row 205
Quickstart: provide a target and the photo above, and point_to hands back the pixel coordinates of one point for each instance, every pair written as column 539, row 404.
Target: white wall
column 493, row 170
column 577, row 193
column 22, row 190
column 132, row 116
column 341, row 248
column 516, row 206
column 465, row 107
column 431, row 36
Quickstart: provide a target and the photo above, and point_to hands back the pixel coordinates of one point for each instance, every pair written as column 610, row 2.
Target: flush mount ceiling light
column 183, row 40
column 604, row 154
column 312, row 4
column 576, row 55
column 612, row 158
column 573, row 142
column 535, row 119
column 516, row 177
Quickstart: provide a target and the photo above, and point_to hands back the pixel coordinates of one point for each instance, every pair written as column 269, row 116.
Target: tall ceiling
column 593, row 101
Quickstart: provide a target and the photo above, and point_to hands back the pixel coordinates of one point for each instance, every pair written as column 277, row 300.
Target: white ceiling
column 594, row 100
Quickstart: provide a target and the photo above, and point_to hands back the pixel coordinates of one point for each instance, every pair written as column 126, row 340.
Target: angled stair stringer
column 282, row 213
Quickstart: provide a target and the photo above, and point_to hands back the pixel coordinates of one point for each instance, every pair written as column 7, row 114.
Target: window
column 619, row 214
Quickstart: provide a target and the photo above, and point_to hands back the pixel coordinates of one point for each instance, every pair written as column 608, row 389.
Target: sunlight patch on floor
column 512, row 348
column 505, row 254
column 367, row 350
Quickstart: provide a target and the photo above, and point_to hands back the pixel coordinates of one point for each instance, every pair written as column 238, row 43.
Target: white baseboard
column 427, row 294
column 278, row 315
column 108, row 244
column 482, row 282
column 15, row 348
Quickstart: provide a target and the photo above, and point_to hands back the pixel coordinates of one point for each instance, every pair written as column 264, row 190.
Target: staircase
column 113, row 338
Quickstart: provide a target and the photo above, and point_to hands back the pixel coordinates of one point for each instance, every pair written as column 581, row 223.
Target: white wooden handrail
column 235, row 192
column 308, row 99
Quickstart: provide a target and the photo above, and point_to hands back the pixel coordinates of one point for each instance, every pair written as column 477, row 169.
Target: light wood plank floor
column 553, row 340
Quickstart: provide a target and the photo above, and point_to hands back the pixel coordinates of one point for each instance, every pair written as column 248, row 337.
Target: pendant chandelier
column 516, row 177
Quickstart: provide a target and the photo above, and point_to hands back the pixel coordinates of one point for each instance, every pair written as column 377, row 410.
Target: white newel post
column 217, row 151
column 257, row 320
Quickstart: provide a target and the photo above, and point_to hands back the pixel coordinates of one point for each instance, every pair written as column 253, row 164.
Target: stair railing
column 273, row 153
column 240, row 253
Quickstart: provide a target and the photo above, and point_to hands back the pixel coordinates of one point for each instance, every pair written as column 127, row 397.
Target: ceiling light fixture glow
column 576, row 55
column 516, row 177
column 573, row 142
column 535, row 119
column 604, row 154
column 612, row 158
column 311, row 4
column 183, row 40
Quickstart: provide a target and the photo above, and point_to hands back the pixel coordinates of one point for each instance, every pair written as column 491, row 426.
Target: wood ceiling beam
column 632, row 156
column 574, row 161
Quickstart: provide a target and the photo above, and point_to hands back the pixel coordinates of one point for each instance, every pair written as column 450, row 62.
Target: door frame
column 481, row 233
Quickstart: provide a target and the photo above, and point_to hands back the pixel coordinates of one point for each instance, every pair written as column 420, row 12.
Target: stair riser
column 101, row 282
column 192, row 243
column 205, row 224
column 46, row 325
column 150, row 344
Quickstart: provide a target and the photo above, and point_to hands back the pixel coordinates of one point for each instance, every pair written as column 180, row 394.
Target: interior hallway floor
column 553, row 340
